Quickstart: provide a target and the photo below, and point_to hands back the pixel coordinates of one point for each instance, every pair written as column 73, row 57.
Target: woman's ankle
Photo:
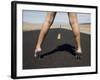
column 79, row 50
column 38, row 49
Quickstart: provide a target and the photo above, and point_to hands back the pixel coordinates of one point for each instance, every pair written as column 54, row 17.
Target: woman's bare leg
column 76, row 30
column 45, row 27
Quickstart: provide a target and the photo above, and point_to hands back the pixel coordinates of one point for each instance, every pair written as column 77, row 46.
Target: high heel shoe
column 37, row 53
column 78, row 55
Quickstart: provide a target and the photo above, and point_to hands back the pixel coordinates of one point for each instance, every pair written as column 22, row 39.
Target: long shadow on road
column 65, row 47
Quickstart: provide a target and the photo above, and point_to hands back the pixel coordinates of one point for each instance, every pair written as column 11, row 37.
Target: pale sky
column 61, row 17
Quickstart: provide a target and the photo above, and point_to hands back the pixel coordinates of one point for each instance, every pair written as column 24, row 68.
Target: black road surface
column 55, row 53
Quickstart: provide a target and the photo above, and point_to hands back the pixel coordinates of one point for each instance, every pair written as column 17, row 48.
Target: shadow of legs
column 65, row 47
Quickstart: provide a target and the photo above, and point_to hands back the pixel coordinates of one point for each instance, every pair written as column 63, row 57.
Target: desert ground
column 84, row 28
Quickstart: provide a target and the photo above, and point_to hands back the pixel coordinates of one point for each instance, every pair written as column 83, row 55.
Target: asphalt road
column 56, row 53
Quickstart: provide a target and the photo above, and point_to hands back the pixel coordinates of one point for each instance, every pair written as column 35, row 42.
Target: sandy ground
column 84, row 28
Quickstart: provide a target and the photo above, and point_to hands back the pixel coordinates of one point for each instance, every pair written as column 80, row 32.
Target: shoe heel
column 37, row 54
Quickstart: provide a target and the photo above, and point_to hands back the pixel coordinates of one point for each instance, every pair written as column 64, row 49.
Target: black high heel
column 78, row 55
column 37, row 54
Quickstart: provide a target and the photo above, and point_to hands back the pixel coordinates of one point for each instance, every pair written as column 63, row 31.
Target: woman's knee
column 76, row 33
column 48, row 22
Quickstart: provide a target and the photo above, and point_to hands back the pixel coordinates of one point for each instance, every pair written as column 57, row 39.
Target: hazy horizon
column 38, row 17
